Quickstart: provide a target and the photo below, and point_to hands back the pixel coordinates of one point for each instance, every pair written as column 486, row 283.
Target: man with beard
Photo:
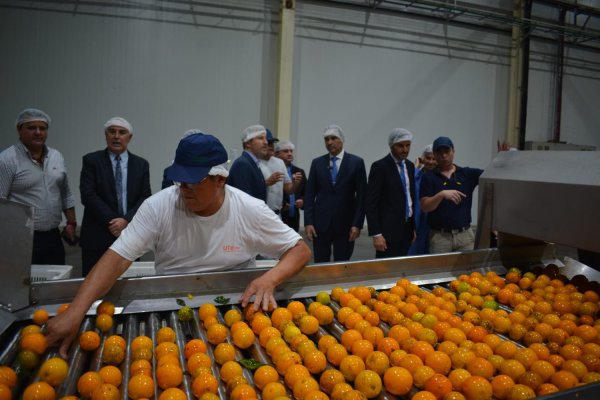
column 245, row 173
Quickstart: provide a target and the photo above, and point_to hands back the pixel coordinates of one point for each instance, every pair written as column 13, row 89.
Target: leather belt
column 454, row 231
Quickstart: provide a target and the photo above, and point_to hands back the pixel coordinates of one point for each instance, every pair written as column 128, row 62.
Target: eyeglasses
column 189, row 185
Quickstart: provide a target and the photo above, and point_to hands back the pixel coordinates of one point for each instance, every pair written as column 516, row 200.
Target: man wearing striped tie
column 114, row 182
column 391, row 198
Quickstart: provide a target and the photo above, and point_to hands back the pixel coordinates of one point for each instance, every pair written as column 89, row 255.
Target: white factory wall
column 169, row 71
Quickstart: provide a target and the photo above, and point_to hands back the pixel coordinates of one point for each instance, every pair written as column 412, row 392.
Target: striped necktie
column 119, row 185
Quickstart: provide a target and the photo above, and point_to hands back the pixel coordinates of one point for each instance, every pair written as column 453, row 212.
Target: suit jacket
column 99, row 196
column 300, row 188
column 336, row 207
column 245, row 175
column 386, row 200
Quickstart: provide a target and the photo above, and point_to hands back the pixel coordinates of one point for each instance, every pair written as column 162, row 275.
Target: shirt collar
column 124, row 156
column 256, row 160
column 396, row 160
column 339, row 156
column 26, row 150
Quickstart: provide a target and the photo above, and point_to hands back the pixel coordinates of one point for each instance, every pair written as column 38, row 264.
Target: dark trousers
column 342, row 248
column 398, row 248
column 89, row 258
column 292, row 222
column 48, row 248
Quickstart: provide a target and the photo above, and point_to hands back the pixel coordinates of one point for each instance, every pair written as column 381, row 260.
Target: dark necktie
column 119, row 185
column 334, row 170
column 404, row 187
column 292, row 209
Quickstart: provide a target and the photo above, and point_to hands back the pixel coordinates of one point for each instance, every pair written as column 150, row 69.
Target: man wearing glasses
column 200, row 224
column 113, row 184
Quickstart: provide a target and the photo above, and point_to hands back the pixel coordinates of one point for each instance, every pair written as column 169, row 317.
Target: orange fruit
column 481, row 367
column 457, row 377
column 88, row 382
column 207, row 310
column 166, row 348
column 309, row 325
column 198, row 360
column 243, row 392
column 303, row 386
column 8, row 376
column 194, row 346
column 336, row 353
column 216, row 334
column 104, row 322
column 54, row 371
column 546, row 388
column 40, row 316
column 140, row 387
column 142, row 353
column 224, row 352
column 294, row 373
column 369, row 383
column 423, row 395
column 397, row 381
column 5, row 392
column 106, row 391
column 439, row 385
column 232, row 316
column 89, row 341
column 501, row 385
column 477, row 388
column 349, row 337
column 165, row 334
column 329, row 378
column 39, row 391
column 229, row 370
column 280, row 315
column 106, row 307
column 169, row 375
column 440, row 362
column 377, row 361
column 260, row 322
column 140, row 367
column 30, row 329
column 111, row 374
column 362, row 348
column 243, row 337
column 62, row 308
column 115, row 340
column 265, row 374
column 273, row 390
column 286, row 360
column 315, row 361
column 173, row 394
column 520, row 392
column 267, row 334
column 204, row 383
column 296, row 307
column 564, row 380
column 351, row 366
column 34, row 342
column 421, row 375
column 113, row 354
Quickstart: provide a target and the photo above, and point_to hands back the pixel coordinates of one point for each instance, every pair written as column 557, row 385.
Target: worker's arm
column 429, row 204
column 63, row 328
column 262, row 288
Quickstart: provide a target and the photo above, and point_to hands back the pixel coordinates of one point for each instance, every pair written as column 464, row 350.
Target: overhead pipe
column 525, row 51
column 560, row 63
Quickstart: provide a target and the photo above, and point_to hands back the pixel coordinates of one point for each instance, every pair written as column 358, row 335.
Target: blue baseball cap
column 270, row 137
column 442, row 141
column 196, row 154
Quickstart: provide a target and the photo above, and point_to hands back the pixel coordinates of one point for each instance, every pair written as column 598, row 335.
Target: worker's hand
column 504, row 146
column 62, row 331
column 310, row 232
column 454, row 196
column 115, row 226
column 262, row 289
column 354, row 234
column 274, row 178
column 379, row 243
column 299, row 203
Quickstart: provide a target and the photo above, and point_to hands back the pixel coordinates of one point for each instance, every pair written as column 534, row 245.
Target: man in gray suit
column 114, row 182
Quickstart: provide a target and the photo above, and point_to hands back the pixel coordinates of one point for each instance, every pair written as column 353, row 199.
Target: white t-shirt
column 184, row 242
column 275, row 192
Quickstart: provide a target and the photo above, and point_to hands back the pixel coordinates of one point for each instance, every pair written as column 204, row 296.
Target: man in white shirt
column 199, row 224
column 276, row 177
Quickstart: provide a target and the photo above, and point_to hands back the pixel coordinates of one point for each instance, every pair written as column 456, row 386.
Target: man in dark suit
column 391, row 198
column 293, row 202
column 334, row 199
column 245, row 173
column 113, row 184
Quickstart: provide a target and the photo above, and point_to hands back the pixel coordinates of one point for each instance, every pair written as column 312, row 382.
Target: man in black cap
column 447, row 194
column 199, row 224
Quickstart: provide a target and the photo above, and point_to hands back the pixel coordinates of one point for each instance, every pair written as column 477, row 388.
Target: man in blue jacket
column 334, row 199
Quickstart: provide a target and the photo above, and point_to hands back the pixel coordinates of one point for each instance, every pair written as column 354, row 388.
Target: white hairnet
column 333, row 130
column 428, row 149
column 219, row 170
column 120, row 122
column 30, row 115
column 285, row 145
column 399, row 135
column 253, row 131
